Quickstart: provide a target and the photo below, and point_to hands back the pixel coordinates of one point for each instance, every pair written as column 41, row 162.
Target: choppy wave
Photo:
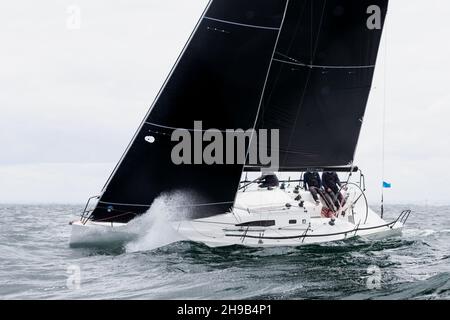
column 435, row 287
column 419, row 232
column 35, row 256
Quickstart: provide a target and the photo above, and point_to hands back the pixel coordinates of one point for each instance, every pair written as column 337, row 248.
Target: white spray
column 154, row 228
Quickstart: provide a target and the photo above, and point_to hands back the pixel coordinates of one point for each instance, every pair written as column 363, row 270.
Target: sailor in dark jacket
column 332, row 185
column 312, row 182
column 268, row 180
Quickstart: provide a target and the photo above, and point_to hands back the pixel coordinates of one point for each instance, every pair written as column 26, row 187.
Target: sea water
column 36, row 262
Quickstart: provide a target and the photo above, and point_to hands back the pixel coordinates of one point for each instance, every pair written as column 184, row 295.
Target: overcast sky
column 70, row 100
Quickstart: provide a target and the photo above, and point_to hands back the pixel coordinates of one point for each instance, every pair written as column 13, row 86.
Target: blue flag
column 387, row 185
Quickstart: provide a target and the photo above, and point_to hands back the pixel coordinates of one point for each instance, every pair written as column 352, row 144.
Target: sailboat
column 302, row 67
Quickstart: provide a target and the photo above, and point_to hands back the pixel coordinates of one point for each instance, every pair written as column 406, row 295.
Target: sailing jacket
column 330, row 180
column 311, row 179
column 269, row 180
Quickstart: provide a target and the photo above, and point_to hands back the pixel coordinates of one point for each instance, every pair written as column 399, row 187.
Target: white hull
column 289, row 226
column 320, row 232
column 260, row 219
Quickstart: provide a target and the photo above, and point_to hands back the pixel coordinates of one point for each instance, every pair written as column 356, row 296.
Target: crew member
column 313, row 183
column 332, row 185
column 269, row 181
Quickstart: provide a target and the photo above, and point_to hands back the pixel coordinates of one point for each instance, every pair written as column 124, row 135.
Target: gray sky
column 70, row 100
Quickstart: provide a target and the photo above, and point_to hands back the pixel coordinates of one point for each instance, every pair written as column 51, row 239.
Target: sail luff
column 158, row 95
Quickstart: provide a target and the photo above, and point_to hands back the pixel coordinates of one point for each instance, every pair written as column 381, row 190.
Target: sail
column 219, row 79
column 320, row 80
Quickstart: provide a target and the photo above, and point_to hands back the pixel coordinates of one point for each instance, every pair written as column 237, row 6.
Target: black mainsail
column 219, row 79
column 304, row 67
column 320, row 80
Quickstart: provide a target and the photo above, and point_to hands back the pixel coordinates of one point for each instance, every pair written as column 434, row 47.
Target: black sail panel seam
column 312, row 66
column 242, row 24
column 187, row 129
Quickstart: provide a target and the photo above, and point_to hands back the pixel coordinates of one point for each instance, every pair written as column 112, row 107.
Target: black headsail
column 219, row 79
column 320, row 80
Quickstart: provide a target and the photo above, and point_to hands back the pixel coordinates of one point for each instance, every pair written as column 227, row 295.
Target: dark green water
column 35, row 257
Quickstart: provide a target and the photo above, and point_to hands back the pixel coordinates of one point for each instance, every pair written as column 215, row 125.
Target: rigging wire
column 383, row 132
